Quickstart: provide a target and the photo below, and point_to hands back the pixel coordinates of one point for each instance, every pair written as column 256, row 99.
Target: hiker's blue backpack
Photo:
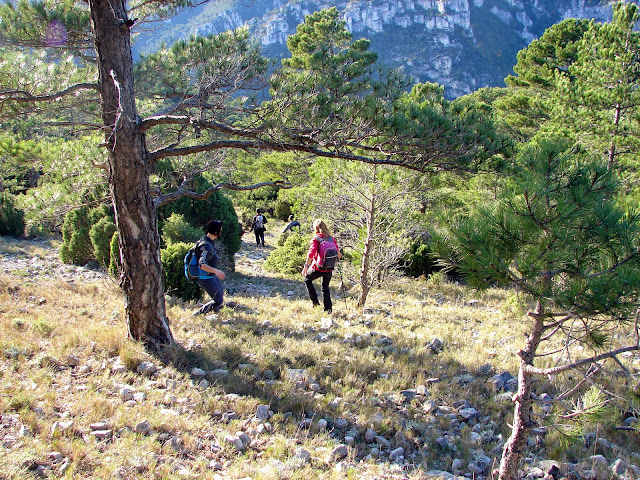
column 191, row 267
column 327, row 253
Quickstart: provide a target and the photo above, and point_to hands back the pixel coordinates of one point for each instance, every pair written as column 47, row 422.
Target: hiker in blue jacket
column 210, row 275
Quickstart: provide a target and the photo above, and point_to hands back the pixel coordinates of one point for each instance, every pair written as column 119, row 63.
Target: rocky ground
column 379, row 455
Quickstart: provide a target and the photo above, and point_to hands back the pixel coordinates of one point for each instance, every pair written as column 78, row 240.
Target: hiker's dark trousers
column 259, row 236
column 214, row 288
column 326, row 293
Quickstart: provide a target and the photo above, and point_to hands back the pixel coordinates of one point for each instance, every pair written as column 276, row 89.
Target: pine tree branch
column 274, row 146
column 563, row 368
column 22, row 96
column 182, row 191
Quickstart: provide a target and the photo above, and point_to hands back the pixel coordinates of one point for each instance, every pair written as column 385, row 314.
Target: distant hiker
column 257, row 225
column 321, row 259
column 292, row 223
column 208, row 261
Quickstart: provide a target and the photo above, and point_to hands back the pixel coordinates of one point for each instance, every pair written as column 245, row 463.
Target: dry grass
column 360, row 364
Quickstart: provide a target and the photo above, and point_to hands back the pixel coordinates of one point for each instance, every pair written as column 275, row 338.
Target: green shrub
column 76, row 244
column 11, row 217
column 101, row 234
column 115, row 265
column 173, row 266
column 290, row 257
column 282, row 210
column 419, row 260
column 197, row 213
column 176, row 229
column 77, row 240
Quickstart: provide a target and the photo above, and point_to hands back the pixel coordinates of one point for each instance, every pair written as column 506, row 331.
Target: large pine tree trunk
column 142, row 281
column 522, row 422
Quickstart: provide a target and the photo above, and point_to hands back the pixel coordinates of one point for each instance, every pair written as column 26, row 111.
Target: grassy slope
column 48, row 324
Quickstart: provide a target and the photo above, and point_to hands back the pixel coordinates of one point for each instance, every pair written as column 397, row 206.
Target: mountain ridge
column 461, row 44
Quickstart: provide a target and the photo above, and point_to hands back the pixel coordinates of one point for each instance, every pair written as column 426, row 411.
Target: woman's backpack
column 191, row 264
column 327, row 254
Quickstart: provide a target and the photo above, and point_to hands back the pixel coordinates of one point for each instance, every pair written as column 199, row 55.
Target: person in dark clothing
column 312, row 271
column 257, row 225
column 292, row 223
column 210, row 275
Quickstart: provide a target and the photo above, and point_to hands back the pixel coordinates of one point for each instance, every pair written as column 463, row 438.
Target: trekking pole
column 344, row 297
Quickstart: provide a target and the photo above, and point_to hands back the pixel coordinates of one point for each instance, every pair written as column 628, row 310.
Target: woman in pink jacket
column 323, row 255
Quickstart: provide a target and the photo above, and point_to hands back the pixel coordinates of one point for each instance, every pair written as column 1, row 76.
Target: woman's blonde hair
column 319, row 225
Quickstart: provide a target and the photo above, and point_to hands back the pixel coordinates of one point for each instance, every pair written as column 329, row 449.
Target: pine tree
column 556, row 235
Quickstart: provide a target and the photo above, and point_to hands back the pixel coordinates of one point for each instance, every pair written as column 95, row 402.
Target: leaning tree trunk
column 129, row 169
column 522, row 422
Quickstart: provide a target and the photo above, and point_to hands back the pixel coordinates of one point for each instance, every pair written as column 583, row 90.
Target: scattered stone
column 422, row 391
column 72, row 361
column 341, row 423
column 229, row 416
column 503, row 382
column 322, row 424
column 383, row 442
column 263, row 413
column 338, row 453
column 244, row 438
column 396, row 454
column 198, row 372
column 9, row 441
column 480, row 465
column 468, row 413
column 369, row 435
column 176, row 444
column 142, row 428
column 102, row 434
column 302, row 454
column 235, row 442
column 147, row 368
column 58, row 428
column 56, row 457
column 126, row 393
column 103, row 425
column 485, row 369
column 409, row 394
column 117, row 368
column 436, row 345
column 618, row 468
column 263, row 428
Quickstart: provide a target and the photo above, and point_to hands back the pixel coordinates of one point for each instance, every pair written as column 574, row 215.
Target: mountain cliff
column 461, row 44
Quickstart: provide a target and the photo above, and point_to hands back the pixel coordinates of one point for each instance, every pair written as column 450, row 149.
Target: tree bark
column 366, row 254
column 142, row 281
column 522, row 423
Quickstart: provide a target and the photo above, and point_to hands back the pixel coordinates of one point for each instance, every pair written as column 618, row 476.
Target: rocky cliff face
column 461, row 44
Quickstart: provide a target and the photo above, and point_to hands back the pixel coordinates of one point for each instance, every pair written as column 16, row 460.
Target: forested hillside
column 462, row 44
column 529, row 190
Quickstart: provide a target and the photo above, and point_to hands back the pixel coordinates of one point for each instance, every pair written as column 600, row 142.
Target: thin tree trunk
column 522, row 423
column 612, row 146
column 366, row 255
column 142, row 280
